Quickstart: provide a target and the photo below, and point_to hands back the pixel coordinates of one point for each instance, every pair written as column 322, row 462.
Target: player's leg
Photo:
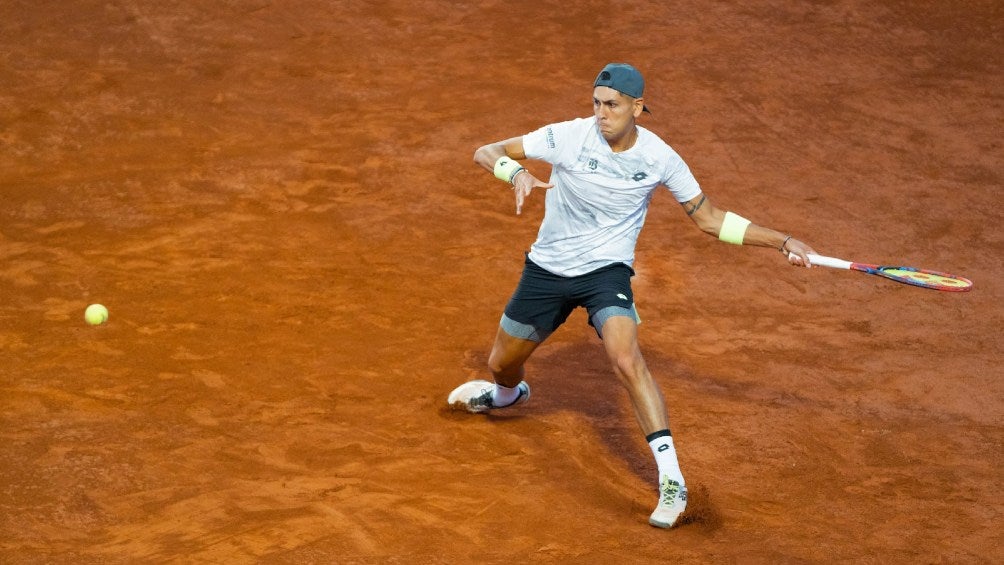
column 620, row 339
column 609, row 299
column 534, row 311
column 508, row 356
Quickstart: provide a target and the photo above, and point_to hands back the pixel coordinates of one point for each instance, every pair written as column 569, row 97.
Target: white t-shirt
column 597, row 207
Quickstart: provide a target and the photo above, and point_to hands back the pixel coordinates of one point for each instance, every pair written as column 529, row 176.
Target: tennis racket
column 907, row 275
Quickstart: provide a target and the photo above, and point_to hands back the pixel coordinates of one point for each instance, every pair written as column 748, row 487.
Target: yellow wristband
column 733, row 228
column 506, row 169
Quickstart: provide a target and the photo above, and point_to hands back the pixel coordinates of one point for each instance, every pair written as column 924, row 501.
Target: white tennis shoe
column 476, row 396
column 672, row 503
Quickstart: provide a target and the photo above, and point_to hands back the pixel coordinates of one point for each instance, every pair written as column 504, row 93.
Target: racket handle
column 824, row 261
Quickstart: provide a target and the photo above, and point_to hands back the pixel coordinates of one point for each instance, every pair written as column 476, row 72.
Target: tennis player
column 605, row 170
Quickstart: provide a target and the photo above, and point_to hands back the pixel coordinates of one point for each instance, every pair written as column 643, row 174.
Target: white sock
column 504, row 396
column 665, row 457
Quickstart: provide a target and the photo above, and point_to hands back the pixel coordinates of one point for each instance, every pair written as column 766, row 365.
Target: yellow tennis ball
column 96, row 314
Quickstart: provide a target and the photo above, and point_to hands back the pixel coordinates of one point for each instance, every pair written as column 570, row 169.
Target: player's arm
column 502, row 159
column 487, row 155
column 733, row 228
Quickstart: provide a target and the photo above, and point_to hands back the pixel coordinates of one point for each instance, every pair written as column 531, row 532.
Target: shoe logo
column 670, row 490
column 622, row 297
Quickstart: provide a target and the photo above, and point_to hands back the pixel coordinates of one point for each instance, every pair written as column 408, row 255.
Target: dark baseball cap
column 624, row 79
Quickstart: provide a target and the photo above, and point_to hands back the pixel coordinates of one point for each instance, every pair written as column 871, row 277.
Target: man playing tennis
column 605, row 170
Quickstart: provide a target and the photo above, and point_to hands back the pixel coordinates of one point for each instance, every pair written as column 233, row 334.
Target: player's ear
column 639, row 107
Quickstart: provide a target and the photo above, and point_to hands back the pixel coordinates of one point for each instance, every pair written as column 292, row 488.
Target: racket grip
column 824, row 261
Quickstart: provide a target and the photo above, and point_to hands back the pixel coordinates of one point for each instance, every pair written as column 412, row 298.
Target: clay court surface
column 277, row 203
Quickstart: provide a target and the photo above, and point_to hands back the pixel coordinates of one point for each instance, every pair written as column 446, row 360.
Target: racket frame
column 884, row 271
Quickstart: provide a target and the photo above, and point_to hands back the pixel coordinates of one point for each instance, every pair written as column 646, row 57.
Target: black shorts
column 543, row 300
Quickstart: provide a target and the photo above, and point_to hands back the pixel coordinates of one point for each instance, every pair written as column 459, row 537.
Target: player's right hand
column 523, row 184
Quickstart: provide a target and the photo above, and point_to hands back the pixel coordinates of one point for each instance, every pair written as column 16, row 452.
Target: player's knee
column 501, row 365
column 494, row 365
column 629, row 367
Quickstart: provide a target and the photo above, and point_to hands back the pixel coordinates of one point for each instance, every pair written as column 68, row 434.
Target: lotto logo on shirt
column 550, row 138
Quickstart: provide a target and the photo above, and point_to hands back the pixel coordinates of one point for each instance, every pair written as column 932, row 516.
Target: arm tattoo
column 691, row 210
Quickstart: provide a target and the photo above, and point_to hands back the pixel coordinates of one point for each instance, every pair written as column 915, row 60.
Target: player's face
column 615, row 112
